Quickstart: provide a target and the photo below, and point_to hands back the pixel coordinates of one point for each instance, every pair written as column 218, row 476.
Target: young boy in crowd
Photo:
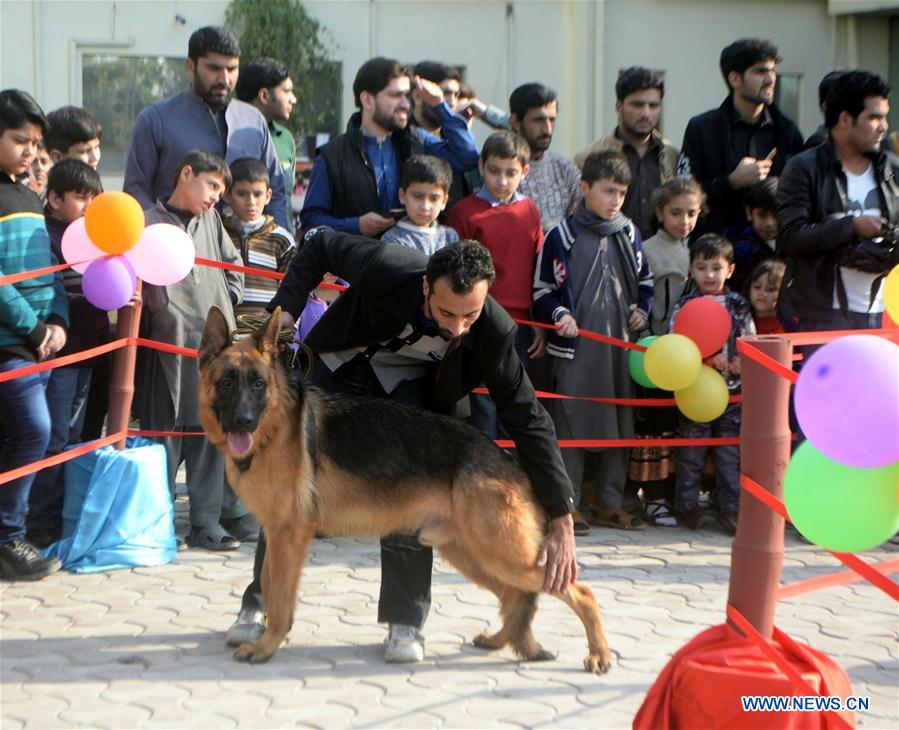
column 71, row 186
column 176, row 314
column 74, row 133
column 508, row 224
column 593, row 274
column 711, row 265
column 40, row 168
column 33, row 321
column 262, row 243
column 424, row 192
column 756, row 241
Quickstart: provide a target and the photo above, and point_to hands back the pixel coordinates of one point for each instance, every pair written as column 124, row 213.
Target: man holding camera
column 838, row 205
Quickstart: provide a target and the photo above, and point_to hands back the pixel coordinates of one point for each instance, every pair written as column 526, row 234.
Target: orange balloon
column 114, row 222
column 888, row 323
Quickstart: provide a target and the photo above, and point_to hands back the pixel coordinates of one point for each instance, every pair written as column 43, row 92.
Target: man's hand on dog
column 558, row 555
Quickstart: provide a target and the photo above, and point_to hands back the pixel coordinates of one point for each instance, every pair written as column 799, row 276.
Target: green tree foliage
column 283, row 29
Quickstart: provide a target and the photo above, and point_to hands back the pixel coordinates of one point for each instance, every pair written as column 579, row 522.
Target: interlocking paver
column 144, row 648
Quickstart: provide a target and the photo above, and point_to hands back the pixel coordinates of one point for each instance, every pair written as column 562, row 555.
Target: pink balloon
column 164, row 254
column 77, row 246
column 109, row 283
column 847, row 401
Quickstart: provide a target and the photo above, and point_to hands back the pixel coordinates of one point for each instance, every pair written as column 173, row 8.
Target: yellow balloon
column 891, row 293
column 705, row 399
column 114, row 221
column 672, row 362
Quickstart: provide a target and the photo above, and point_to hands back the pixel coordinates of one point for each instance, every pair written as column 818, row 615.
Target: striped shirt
column 270, row 247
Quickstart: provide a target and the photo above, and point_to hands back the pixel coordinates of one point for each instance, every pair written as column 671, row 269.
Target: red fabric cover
column 514, row 235
column 701, row 686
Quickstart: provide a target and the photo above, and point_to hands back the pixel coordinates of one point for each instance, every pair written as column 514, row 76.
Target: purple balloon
column 109, row 283
column 847, row 401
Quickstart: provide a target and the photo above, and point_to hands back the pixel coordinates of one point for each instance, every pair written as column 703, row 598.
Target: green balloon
column 635, row 362
column 841, row 508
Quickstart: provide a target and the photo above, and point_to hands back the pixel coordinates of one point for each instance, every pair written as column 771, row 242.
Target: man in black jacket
column 747, row 138
column 355, row 178
column 423, row 331
column 831, row 197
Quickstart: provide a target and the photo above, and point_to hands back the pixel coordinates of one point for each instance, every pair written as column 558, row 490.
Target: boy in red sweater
column 508, row 224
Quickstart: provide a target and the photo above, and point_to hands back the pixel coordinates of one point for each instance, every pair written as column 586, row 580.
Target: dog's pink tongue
column 240, row 442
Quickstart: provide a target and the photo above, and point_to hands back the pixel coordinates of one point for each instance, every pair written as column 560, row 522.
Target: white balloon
column 164, row 254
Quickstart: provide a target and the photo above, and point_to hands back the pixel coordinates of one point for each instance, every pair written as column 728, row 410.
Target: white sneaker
column 247, row 629
column 404, row 644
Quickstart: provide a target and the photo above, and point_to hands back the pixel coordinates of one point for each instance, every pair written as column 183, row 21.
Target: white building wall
column 575, row 46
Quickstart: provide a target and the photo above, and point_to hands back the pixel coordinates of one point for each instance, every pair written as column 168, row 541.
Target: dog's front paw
column 598, row 663
column 253, row 653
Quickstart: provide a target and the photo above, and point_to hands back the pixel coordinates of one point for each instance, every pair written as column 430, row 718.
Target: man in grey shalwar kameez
column 592, row 275
column 168, row 393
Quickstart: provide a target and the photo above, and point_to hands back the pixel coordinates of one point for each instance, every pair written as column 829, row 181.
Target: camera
column 874, row 256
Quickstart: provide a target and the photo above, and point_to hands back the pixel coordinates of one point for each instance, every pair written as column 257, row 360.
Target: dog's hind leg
column 284, row 559
column 582, row 601
column 468, row 567
column 517, row 607
column 518, row 611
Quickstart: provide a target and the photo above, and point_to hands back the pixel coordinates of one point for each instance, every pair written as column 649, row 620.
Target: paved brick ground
column 144, row 648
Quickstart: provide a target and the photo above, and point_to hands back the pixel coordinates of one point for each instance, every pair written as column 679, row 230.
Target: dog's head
column 238, row 383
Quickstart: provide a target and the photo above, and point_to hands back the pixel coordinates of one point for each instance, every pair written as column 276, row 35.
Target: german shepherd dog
column 372, row 467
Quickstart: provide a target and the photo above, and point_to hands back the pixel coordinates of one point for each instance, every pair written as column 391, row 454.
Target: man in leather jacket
column 831, row 197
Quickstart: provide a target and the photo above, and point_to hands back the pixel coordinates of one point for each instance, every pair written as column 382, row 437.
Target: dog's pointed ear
column 267, row 335
column 216, row 335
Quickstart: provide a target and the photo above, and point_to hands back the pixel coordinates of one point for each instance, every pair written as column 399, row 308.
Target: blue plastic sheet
column 117, row 511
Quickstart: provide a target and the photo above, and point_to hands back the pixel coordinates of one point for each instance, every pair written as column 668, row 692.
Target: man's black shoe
column 20, row 560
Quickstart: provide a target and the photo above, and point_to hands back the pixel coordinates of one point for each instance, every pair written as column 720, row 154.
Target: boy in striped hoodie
column 263, row 244
column 33, row 320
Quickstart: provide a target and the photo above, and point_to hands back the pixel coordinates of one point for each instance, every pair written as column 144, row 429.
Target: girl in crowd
column 677, row 206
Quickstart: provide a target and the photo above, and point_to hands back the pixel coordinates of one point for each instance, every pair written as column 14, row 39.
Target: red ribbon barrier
column 60, row 458
column 853, row 562
column 820, row 338
column 59, row 362
column 611, row 401
column 33, row 274
column 840, row 578
column 631, row 443
column 509, row 444
column 163, row 434
column 587, row 334
column 753, row 353
column 502, row 443
column 277, row 275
